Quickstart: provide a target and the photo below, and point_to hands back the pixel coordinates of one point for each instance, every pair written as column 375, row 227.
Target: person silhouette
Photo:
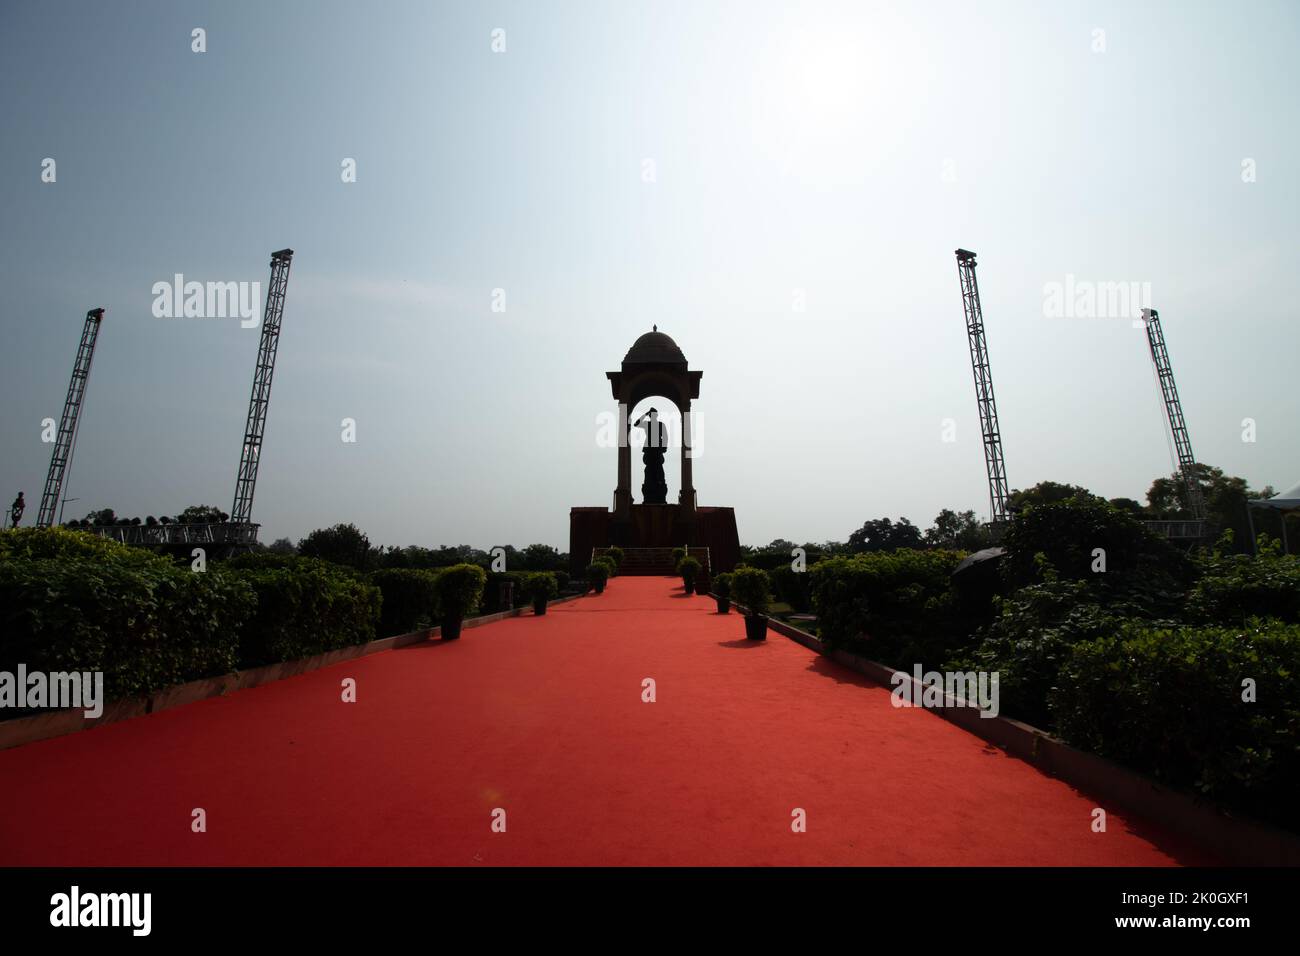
column 16, row 510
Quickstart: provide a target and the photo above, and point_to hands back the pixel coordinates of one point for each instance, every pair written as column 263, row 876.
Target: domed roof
column 653, row 347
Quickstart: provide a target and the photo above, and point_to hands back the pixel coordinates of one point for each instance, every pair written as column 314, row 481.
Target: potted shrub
column 749, row 586
column 616, row 555
column 689, row 569
column 597, row 574
column 460, row 589
column 540, row 587
column 722, row 592
column 678, row 554
column 609, row 563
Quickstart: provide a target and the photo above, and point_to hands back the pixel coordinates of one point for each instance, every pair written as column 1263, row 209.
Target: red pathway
column 543, row 717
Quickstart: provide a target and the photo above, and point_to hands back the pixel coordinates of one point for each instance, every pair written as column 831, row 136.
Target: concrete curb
column 1239, row 841
column 26, row 730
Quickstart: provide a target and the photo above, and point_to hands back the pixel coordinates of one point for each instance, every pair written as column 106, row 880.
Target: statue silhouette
column 655, row 489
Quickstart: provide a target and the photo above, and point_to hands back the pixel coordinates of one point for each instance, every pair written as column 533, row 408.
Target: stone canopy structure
column 654, row 367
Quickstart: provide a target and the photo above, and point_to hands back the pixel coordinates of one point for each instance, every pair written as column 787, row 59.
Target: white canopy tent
column 1286, row 502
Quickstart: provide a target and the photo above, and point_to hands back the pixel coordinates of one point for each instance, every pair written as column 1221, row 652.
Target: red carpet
column 543, row 717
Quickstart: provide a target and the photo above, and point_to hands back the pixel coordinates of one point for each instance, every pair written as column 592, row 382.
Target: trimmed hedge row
column 71, row 600
column 305, row 611
column 1170, row 702
column 897, row 606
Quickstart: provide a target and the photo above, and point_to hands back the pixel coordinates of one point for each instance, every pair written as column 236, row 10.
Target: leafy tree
column 342, row 544
column 104, row 516
column 883, row 535
column 282, row 546
column 202, row 514
column 1225, row 501
column 1048, row 493
column 957, row 531
column 540, row 557
column 1128, row 504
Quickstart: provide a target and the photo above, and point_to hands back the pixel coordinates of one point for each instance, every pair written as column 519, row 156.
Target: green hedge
column 74, row 601
column 897, row 607
column 1033, row 634
column 1168, row 701
column 793, row 587
column 1056, row 542
column 306, row 610
column 410, row 599
column 1234, row 588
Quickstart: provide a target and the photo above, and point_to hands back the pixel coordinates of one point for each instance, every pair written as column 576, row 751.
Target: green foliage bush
column 897, row 606
column 1168, row 701
column 598, row 573
column 460, row 589
column 722, row 584
column 410, row 599
column 1033, row 634
column 306, row 610
column 617, row 554
column 1057, row 541
column 689, row 568
column 610, row 567
column 1234, row 588
column 541, row 585
column 34, row 543
column 750, row 587
column 793, row 587
column 678, row 554
column 562, row 580
column 74, row 601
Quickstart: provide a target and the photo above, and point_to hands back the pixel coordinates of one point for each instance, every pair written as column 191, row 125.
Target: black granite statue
column 655, row 489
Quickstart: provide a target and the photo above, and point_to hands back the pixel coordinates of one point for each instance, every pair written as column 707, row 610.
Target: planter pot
column 755, row 627
column 724, row 605
column 598, row 586
column 451, row 628
column 539, row 606
column 688, row 586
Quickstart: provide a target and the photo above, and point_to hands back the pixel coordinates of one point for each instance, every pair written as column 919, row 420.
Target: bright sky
column 701, row 165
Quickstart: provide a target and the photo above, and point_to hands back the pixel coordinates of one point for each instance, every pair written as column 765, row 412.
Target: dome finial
column 654, row 328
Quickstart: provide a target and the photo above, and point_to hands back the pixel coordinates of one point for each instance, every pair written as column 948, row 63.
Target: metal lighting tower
column 988, row 408
column 1174, row 408
column 241, row 511
column 66, row 440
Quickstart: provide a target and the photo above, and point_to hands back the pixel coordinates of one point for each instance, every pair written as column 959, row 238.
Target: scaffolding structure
column 1193, row 498
column 242, row 510
column 994, row 463
column 66, row 440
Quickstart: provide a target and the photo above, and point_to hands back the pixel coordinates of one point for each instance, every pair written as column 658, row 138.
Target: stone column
column 623, row 492
column 687, row 496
